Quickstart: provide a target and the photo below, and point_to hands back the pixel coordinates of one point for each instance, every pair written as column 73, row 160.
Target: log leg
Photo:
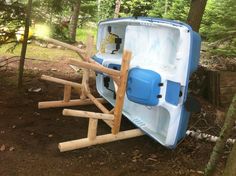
column 62, row 103
column 85, row 84
column 67, row 93
column 121, row 92
column 92, row 128
column 85, row 142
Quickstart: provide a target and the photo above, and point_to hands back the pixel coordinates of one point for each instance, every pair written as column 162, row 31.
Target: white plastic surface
column 162, row 48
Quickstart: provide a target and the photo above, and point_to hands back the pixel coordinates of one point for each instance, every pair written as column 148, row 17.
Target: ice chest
column 164, row 55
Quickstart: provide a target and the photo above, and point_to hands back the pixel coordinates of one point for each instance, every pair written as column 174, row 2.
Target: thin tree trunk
column 230, row 168
column 196, row 12
column 117, row 9
column 166, row 6
column 74, row 21
column 99, row 8
column 24, row 44
column 224, row 135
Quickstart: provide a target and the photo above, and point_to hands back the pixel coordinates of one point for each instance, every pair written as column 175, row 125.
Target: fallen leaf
column 2, row 148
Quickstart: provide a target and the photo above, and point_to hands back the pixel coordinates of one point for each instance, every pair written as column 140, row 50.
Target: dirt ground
column 29, row 136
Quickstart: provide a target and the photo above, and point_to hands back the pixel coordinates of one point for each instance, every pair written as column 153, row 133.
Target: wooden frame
column 111, row 117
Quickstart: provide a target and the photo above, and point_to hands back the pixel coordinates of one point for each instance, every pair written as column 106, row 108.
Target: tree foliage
column 12, row 15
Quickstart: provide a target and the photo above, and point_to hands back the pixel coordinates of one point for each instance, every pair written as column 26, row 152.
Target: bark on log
column 230, row 168
column 224, row 135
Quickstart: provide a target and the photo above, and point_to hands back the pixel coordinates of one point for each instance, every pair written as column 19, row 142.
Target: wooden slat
column 121, row 91
column 61, row 103
column 60, row 81
column 87, row 114
column 95, row 67
column 98, row 104
column 82, row 143
column 92, row 129
column 67, row 93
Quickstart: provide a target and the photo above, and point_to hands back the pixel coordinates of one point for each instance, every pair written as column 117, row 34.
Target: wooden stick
column 61, row 103
column 67, row 93
column 98, row 104
column 121, row 91
column 65, row 45
column 85, row 84
column 60, row 81
column 95, row 67
column 92, row 129
column 102, row 108
column 81, row 143
column 111, row 111
column 87, row 114
column 89, row 46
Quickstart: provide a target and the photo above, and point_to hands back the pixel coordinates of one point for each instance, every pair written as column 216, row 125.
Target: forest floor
column 29, row 136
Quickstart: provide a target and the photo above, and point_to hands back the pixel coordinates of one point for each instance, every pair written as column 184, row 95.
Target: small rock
column 32, row 134
column 36, row 90
column 151, row 159
column 53, row 69
column 50, row 135
column 81, row 46
column 2, row 148
column 200, row 172
column 36, row 113
column 101, row 163
column 2, row 132
column 43, row 45
column 51, row 46
column 13, row 126
column 11, row 149
column 60, row 47
column 153, row 156
column 144, row 170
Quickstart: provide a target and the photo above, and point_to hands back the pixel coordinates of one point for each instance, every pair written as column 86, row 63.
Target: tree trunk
column 224, row 135
column 117, row 9
column 166, row 6
column 230, row 168
column 74, row 20
column 24, row 44
column 196, row 12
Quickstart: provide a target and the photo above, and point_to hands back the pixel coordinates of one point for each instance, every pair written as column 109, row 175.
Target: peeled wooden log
column 60, row 81
column 95, row 67
column 62, row 103
column 87, row 114
column 65, row 45
column 86, row 142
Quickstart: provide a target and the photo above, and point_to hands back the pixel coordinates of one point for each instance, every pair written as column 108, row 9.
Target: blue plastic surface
column 97, row 59
column 172, row 92
column 143, row 86
column 114, row 66
column 196, row 47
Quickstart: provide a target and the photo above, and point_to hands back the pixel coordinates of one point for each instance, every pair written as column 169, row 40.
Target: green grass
column 37, row 52
column 82, row 33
